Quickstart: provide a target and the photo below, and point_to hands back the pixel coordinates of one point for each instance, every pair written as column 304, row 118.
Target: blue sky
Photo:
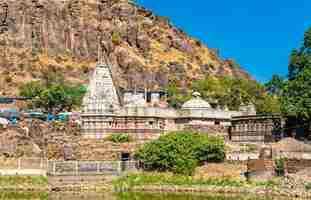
column 258, row 34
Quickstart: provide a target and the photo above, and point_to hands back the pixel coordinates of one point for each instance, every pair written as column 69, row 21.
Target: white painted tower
column 102, row 96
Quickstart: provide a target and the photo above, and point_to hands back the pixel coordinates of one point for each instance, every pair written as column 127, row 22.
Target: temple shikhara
column 145, row 114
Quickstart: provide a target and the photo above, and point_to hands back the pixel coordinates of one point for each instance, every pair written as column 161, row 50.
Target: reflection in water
column 120, row 196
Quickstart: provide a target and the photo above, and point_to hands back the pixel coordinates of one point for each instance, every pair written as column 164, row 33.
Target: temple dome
column 196, row 102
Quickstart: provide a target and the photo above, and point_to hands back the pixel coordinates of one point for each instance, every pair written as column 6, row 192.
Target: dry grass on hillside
column 212, row 170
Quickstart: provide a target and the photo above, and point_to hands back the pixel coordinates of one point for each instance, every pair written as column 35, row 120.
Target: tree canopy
column 275, row 85
column 53, row 93
column 296, row 95
column 181, row 152
column 227, row 92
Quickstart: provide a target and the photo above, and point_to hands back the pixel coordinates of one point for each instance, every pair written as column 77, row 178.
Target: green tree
column 176, row 97
column 268, row 104
column 296, row 97
column 31, row 89
column 275, row 85
column 233, row 92
column 181, row 152
column 227, row 92
column 301, row 58
column 53, row 94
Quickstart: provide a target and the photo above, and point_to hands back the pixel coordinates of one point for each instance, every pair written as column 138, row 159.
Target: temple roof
column 137, row 103
column 196, row 102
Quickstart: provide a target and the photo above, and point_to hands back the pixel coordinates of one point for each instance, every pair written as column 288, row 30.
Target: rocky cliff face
column 40, row 36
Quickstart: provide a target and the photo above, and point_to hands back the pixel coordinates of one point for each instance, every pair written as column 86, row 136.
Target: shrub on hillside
column 53, row 93
column 119, row 138
column 8, row 79
column 116, row 38
column 181, row 152
column 279, row 164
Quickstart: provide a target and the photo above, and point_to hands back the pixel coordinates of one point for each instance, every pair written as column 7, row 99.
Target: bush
column 58, row 126
column 8, row 79
column 249, row 148
column 119, row 138
column 308, row 186
column 116, row 38
column 181, row 152
column 53, row 93
column 279, row 166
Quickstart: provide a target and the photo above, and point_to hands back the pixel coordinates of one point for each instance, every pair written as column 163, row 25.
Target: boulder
column 132, row 32
column 123, row 10
column 177, row 68
column 122, row 57
column 143, row 43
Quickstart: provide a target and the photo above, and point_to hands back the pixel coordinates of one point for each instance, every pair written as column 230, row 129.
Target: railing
column 77, row 168
column 70, row 168
column 57, row 168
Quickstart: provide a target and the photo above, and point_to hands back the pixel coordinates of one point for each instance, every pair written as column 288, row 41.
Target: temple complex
column 256, row 129
column 145, row 114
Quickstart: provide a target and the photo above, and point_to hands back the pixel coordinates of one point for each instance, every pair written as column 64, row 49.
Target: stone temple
column 145, row 116
column 101, row 97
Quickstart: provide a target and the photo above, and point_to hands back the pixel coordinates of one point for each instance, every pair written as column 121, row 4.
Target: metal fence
column 77, row 168
column 70, row 168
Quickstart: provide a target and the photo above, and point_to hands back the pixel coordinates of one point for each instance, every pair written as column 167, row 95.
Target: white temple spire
column 102, row 96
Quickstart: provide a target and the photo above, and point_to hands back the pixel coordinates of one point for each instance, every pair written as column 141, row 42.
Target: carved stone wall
column 256, row 129
column 291, row 165
column 141, row 128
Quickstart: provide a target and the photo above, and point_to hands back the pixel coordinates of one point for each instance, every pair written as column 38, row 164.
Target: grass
column 168, row 179
column 24, row 196
column 30, row 181
column 182, row 196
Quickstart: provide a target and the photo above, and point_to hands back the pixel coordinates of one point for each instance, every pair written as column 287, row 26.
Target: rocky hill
column 41, row 36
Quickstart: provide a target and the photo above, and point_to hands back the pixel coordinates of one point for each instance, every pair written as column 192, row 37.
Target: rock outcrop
column 38, row 36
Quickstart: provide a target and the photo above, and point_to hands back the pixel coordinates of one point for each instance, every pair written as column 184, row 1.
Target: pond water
column 122, row 196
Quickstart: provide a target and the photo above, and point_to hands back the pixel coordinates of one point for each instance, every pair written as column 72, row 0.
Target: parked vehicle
column 50, row 117
column 63, row 116
column 35, row 115
column 4, row 122
column 10, row 114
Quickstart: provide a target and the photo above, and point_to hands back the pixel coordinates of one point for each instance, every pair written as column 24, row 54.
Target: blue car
column 50, row 118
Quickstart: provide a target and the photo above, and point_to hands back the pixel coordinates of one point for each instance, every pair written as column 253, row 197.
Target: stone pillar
column 19, row 164
column 77, row 168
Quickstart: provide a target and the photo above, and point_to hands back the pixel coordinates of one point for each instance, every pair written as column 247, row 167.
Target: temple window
column 151, row 123
column 217, row 122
